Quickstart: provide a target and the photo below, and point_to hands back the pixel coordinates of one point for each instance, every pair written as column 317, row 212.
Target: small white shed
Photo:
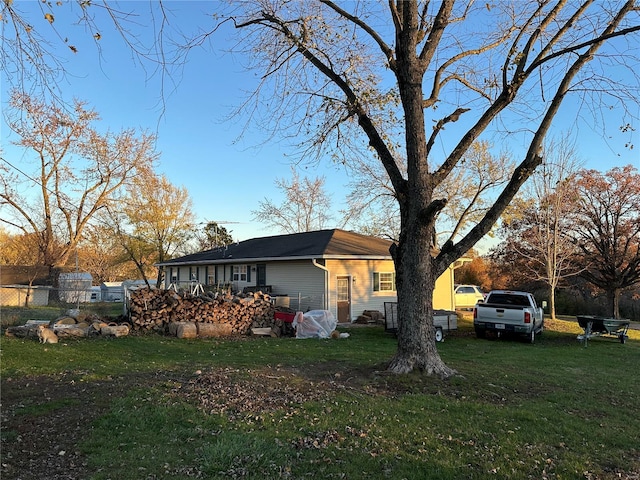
column 96, row 294
column 21, row 295
column 112, row 291
column 75, row 287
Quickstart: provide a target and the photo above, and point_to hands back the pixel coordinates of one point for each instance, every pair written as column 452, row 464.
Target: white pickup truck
column 508, row 311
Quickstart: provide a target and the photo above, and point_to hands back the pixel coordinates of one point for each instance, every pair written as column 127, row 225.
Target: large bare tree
column 428, row 65
column 306, row 205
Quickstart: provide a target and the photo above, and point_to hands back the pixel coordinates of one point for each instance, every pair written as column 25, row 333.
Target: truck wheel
column 481, row 333
column 531, row 338
column 439, row 335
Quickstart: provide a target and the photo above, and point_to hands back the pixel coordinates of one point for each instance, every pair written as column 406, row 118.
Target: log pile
column 186, row 316
column 67, row 326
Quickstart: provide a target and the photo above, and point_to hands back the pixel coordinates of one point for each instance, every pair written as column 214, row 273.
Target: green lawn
column 287, row 408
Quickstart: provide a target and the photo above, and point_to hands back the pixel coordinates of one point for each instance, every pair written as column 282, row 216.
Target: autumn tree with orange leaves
column 69, row 173
column 607, row 231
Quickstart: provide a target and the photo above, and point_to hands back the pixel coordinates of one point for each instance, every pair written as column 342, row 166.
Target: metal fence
column 42, row 296
column 297, row 301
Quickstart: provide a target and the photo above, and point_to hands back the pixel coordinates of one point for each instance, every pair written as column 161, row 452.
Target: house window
column 211, row 279
column 239, row 273
column 384, row 282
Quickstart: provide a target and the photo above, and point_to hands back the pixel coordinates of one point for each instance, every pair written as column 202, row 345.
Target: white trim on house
column 232, row 260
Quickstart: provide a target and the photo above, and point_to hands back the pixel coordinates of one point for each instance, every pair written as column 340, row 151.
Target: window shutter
column 376, row 281
column 248, row 273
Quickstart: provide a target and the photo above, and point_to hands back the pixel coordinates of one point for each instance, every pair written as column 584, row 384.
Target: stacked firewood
column 155, row 309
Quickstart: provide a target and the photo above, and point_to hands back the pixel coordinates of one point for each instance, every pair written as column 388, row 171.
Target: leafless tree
column 372, row 205
column 306, row 205
column 541, row 233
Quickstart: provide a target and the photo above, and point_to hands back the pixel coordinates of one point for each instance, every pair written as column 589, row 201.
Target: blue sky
column 199, row 150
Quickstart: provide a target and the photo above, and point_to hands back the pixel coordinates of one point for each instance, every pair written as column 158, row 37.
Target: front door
column 261, row 275
column 343, row 297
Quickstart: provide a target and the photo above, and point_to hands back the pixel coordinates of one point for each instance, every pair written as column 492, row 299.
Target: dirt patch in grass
column 45, row 419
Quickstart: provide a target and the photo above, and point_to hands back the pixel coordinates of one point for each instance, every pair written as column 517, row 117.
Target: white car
column 466, row 296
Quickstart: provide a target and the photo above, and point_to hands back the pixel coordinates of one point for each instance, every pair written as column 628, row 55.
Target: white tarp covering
column 314, row 324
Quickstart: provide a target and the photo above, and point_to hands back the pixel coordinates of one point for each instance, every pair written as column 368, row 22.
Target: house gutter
column 228, row 260
column 315, row 263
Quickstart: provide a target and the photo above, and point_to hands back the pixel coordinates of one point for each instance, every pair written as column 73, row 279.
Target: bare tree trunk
column 160, row 277
column 415, row 268
column 552, row 302
column 27, row 301
column 614, row 302
column 54, row 274
column 416, row 336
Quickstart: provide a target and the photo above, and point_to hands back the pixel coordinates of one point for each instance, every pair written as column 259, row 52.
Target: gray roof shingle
column 318, row 244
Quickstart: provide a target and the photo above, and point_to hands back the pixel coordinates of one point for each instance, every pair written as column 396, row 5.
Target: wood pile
column 370, row 316
column 71, row 327
column 208, row 315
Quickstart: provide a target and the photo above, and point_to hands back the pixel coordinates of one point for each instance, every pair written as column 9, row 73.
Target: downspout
column 315, row 263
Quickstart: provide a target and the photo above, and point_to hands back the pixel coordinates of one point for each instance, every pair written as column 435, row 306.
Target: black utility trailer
column 443, row 320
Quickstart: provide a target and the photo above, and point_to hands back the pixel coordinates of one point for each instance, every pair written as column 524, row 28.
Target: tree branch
column 440, row 23
column 525, row 169
column 454, row 117
column 386, row 49
column 352, row 101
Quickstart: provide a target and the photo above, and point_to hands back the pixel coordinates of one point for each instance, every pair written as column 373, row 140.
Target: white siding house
column 343, row 272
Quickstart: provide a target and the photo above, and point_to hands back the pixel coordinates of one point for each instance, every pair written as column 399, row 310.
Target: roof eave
column 226, row 261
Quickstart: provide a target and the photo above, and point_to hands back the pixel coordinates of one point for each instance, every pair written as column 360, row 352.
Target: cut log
column 115, row 330
column 66, row 320
column 95, row 328
column 22, row 331
column 264, row 332
column 214, row 329
column 173, row 328
column 70, row 331
column 187, row 330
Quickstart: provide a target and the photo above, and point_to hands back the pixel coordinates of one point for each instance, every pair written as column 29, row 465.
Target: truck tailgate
column 500, row 313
